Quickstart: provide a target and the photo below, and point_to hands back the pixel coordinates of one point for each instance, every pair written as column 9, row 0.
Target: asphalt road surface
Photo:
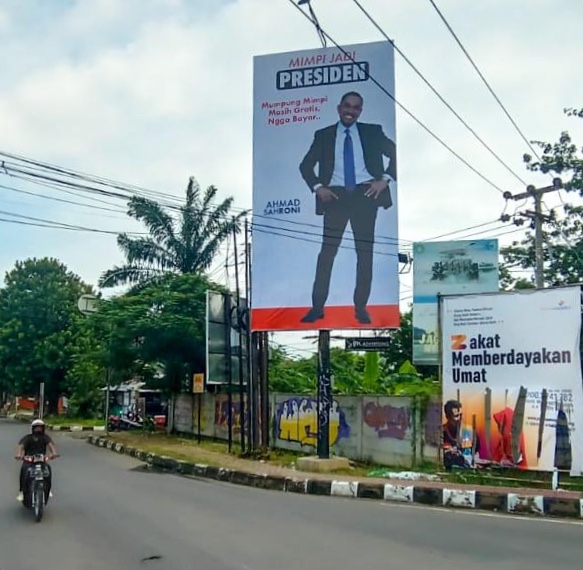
column 109, row 514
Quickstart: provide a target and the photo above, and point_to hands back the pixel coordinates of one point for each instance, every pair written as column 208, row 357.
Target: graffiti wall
column 393, row 431
column 388, row 430
column 296, row 421
column 222, row 415
column 387, row 420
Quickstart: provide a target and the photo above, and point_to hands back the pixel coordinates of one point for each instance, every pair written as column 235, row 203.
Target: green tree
column 563, row 236
column 161, row 326
column 354, row 374
column 400, row 350
column 289, row 375
column 86, row 375
column 183, row 246
column 38, row 317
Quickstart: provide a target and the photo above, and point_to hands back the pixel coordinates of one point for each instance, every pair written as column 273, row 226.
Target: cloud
column 153, row 92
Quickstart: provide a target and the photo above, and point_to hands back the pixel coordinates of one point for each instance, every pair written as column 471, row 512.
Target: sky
column 151, row 92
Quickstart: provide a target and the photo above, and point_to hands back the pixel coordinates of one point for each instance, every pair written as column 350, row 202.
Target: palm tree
column 188, row 244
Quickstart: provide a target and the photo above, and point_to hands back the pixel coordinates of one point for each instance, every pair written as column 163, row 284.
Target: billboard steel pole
column 240, row 344
column 324, row 394
column 227, row 297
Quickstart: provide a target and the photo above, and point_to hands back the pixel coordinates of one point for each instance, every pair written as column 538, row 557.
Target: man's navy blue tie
column 349, row 173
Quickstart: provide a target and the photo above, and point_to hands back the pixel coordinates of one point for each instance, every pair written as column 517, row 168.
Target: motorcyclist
column 35, row 443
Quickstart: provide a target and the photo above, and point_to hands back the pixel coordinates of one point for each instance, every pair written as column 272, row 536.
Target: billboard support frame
column 324, row 394
column 240, row 347
column 252, row 393
column 227, row 305
column 440, row 374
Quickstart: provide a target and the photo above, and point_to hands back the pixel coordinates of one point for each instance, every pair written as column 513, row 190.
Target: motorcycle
column 36, row 491
column 131, row 421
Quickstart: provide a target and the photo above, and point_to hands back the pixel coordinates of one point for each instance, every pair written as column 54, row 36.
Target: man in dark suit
column 350, row 185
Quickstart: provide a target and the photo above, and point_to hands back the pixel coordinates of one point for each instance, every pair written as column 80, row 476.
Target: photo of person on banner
column 495, row 439
column 350, row 184
column 460, row 446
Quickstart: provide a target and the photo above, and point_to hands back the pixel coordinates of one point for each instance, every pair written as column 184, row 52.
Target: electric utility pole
column 537, row 218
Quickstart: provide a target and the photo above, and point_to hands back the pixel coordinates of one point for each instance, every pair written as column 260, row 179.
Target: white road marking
column 478, row 513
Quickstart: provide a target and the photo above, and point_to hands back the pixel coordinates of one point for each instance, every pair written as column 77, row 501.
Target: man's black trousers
column 361, row 212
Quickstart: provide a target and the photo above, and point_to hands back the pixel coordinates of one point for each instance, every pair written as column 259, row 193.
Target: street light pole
column 539, row 275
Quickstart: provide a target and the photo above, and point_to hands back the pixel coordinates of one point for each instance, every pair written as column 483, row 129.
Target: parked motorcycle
column 36, row 490
column 130, row 422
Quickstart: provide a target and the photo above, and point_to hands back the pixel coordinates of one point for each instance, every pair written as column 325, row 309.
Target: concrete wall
column 384, row 430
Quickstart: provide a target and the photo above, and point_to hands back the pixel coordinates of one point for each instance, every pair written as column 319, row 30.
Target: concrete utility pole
column 538, row 218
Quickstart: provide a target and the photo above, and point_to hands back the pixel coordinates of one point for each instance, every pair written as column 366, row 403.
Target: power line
column 63, row 184
column 299, row 238
column 469, row 57
column 38, row 178
column 91, row 206
column 462, row 230
column 85, row 177
column 62, row 225
column 311, row 233
column 437, row 94
column 60, row 188
column 386, row 254
column 402, row 107
column 53, row 226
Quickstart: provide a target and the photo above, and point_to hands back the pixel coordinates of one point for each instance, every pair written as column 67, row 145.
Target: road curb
column 503, row 502
column 75, row 428
column 65, row 428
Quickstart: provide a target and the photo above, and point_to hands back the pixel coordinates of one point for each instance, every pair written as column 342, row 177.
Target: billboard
column 512, row 389
column 447, row 268
column 325, row 252
column 221, row 309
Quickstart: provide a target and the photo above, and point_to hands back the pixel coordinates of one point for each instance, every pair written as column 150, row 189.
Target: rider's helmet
column 38, row 426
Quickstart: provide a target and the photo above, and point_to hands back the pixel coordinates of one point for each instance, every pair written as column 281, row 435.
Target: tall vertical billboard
column 512, row 390
column 447, row 268
column 325, row 252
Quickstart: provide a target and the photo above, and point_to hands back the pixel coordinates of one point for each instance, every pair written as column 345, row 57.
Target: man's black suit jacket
column 375, row 145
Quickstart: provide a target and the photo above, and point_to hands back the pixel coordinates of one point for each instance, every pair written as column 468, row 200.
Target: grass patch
column 216, row 453
column 175, row 447
column 68, row 421
column 514, row 478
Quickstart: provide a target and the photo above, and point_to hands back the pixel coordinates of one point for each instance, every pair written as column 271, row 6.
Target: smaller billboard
column 221, row 309
column 512, row 392
column 447, row 268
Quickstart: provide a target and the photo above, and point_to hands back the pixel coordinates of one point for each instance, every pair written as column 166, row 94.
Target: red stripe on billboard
column 382, row 316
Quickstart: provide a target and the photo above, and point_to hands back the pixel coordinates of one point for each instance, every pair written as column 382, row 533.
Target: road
column 107, row 514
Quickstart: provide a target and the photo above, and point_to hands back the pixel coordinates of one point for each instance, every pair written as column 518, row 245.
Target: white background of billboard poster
column 526, row 322
column 286, row 245
column 425, row 291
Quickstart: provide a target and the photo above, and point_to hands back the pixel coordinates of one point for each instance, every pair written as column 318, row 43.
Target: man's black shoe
column 313, row 315
column 362, row 316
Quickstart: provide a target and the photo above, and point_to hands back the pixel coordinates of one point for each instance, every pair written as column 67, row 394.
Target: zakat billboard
column 325, row 252
column 447, row 268
column 512, row 391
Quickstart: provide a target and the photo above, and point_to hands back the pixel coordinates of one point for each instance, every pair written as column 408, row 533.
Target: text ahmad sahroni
column 275, row 207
